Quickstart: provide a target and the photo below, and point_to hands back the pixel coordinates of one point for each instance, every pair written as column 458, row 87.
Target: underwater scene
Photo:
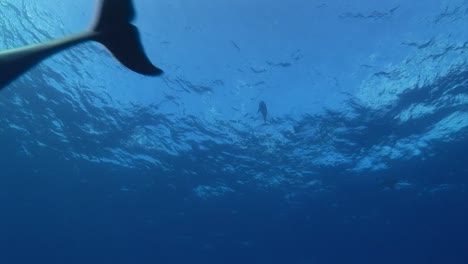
column 176, row 131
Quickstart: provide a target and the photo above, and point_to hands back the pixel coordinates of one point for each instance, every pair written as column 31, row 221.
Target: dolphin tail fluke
column 114, row 30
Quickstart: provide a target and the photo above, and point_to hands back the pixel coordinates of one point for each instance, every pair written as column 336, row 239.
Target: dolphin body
column 262, row 108
column 112, row 28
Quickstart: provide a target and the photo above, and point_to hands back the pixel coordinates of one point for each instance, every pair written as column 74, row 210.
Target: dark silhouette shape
column 389, row 183
column 262, row 108
column 112, row 29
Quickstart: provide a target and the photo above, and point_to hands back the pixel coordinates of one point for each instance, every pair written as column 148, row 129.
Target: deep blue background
column 55, row 218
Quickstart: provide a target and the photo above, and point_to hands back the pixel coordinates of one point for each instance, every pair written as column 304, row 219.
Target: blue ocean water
column 361, row 160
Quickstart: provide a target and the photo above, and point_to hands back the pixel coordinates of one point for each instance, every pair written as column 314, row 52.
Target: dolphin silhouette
column 262, row 108
column 112, row 28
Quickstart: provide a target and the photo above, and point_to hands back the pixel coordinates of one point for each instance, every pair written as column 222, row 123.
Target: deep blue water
column 362, row 159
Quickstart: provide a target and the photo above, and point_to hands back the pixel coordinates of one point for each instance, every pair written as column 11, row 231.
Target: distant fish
column 394, row 184
column 235, row 45
column 389, row 183
column 262, row 108
column 112, row 29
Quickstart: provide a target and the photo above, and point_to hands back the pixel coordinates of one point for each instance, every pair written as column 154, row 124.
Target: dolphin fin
column 114, row 30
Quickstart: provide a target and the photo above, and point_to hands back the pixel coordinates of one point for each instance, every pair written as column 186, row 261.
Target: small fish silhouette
column 262, row 108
